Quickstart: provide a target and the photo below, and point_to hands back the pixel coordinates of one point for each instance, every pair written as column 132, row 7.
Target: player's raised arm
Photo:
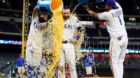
column 92, row 13
column 119, row 6
column 35, row 11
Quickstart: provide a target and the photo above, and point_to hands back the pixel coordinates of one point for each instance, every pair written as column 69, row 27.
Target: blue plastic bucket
column 50, row 5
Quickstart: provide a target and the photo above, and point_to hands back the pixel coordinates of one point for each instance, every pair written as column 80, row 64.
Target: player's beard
column 41, row 20
column 66, row 17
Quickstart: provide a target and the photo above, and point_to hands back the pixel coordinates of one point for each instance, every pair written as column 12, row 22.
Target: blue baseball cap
column 111, row 3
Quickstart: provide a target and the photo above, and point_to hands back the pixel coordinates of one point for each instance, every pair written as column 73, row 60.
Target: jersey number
column 120, row 20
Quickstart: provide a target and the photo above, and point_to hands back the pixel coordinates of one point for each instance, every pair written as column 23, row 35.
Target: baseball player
column 20, row 65
column 116, row 28
column 67, row 54
column 34, row 46
column 89, row 62
column 34, row 50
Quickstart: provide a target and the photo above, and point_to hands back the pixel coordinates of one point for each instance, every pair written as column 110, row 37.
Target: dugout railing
column 103, row 43
column 99, row 46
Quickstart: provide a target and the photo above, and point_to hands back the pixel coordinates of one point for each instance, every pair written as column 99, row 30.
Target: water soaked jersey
column 69, row 27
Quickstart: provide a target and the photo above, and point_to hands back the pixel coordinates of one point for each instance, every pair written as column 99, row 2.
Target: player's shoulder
column 35, row 17
column 106, row 13
column 73, row 17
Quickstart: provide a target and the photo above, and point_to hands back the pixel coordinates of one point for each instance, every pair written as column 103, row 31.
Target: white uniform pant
column 21, row 70
column 67, row 55
column 43, row 71
column 33, row 55
column 117, row 55
column 89, row 70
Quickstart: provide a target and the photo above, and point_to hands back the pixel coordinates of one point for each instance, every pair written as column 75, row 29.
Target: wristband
column 77, row 37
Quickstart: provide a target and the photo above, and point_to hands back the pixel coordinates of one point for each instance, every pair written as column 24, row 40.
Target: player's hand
column 72, row 40
column 60, row 68
column 85, row 6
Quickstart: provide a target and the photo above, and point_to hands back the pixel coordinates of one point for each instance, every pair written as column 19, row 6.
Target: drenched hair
column 66, row 7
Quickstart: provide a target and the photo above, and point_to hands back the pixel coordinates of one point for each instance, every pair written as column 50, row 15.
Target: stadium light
column 3, row 1
column 97, row 7
column 132, row 19
column 138, row 7
column 29, row 4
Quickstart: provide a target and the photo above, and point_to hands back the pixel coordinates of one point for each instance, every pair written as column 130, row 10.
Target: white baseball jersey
column 34, row 36
column 115, row 22
column 116, row 29
column 36, row 26
column 67, row 53
column 34, row 46
column 69, row 27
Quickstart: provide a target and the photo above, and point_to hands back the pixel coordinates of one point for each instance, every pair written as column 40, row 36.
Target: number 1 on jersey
column 120, row 20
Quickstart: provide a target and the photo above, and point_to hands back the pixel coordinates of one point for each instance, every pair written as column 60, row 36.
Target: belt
column 65, row 41
column 119, row 38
